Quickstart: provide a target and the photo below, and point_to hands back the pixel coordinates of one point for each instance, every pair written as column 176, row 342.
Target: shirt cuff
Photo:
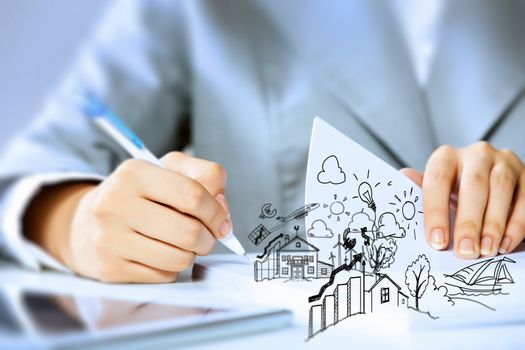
column 17, row 200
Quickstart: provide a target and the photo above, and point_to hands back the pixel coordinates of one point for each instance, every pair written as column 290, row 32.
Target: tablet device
column 36, row 319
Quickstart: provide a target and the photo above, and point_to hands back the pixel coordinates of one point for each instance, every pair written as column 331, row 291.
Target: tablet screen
column 52, row 314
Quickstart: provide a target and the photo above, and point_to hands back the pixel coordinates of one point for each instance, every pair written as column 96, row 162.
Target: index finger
column 438, row 181
column 210, row 174
column 182, row 194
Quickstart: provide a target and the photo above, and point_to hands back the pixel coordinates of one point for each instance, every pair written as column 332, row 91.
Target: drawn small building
column 384, row 293
column 291, row 259
column 352, row 297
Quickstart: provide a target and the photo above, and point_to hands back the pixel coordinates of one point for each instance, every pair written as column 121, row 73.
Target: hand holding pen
column 146, row 221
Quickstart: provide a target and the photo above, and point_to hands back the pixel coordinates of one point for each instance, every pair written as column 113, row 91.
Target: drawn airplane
column 299, row 213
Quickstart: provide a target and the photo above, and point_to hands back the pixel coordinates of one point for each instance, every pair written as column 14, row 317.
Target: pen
column 112, row 125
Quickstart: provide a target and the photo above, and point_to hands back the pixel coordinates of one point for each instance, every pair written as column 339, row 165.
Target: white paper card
column 367, row 207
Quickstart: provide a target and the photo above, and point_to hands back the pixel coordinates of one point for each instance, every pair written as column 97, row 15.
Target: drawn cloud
column 360, row 220
column 319, row 230
column 389, row 227
column 331, row 172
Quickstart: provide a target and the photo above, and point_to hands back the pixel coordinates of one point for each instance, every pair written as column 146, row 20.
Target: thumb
column 413, row 175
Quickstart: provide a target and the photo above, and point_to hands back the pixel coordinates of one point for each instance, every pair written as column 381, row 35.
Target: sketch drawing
column 380, row 254
column 267, row 212
column 417, row 277
column 337, row 208
column 423, row 286
column 350, row 292
column 319, row 230
column 260, row 233
column 339, row 244
column 365, row 194
column 405, row 204
column 292, row 259
column 368, row 232
column 485, row 277
column 331, row 172
column 299, row 213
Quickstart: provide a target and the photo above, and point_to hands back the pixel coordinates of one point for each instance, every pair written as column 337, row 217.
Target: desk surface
column 228, row 290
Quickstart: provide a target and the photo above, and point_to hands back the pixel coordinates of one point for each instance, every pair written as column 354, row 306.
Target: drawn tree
column 417, row 276
column 380, row 253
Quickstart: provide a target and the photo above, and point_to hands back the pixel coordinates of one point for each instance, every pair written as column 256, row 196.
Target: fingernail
column 222, row 199
column 505, row 245
column 437, row 239
column 226, row 228
column 466, row 246
column 486, row 245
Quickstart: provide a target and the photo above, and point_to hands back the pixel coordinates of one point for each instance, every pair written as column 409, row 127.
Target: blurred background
column 38, row 40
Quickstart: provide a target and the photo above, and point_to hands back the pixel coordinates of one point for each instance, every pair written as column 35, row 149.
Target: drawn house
column 343, row 300
column 291, row 259
column 384, row 293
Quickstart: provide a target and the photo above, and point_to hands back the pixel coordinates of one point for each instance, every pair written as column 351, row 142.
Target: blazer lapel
column 478, row 75
column 355, row 49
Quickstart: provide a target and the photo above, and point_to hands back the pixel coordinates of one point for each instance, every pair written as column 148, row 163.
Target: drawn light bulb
column 365, row 194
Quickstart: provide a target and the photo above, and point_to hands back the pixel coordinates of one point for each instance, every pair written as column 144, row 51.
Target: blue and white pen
column 110, row 123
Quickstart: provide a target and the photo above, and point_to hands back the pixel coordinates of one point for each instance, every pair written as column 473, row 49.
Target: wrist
column 47, row 221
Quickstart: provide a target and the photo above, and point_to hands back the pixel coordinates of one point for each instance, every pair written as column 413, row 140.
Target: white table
column 228, row 290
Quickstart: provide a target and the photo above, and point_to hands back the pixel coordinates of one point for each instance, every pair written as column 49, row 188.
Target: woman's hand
column 485, row 187
column 142, row 224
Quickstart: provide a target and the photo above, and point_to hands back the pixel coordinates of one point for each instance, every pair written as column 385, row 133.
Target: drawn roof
column 319, row 262
column 382, row 276
column 304, row 246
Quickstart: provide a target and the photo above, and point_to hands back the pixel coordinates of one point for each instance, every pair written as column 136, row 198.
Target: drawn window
column 283, row 258
column 310, row 269
column 305, row 258
column 323, row 271
column 385, row 295
column 311, row 258
column 298, row 244
column 403, row 301
column 284, row 271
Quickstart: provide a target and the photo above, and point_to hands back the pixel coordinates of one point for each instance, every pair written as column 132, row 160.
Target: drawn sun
column 406, row 205
column 337, row 208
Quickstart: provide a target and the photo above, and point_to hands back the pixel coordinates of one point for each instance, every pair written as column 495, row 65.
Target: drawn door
column 297, row 272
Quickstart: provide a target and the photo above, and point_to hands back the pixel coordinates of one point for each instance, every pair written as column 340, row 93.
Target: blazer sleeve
column 135, row 61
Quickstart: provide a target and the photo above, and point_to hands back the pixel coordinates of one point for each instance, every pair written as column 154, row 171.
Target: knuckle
column 129, row 169
column 102, row 204
column 99, row 240
column 445, row 152
column 436, row 217
column 503, row 175
column 208, row 249
column 183, row 261
column 491, row 227
column 191, row 237
column 437, row 176
column 218, row 214
column 482, row 147
column 195, row 195
column 468, row 227
column 477, row 178
column 172, row 158
column 216, row 170
column 516, row 228
column 509, row 155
